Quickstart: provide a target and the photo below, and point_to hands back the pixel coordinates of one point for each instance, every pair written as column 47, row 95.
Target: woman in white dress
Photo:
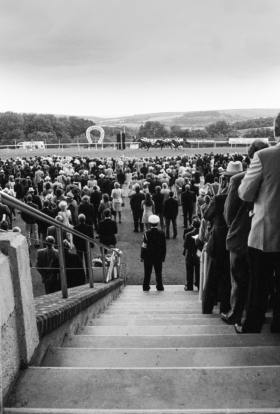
column 128, row 178
column 66, row 217
column 117, row 200
column 149, row 208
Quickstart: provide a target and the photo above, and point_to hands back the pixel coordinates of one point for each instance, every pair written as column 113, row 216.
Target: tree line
column 15, row 127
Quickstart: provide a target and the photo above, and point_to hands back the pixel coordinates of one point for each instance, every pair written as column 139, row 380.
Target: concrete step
column 159, row 330
column 188, row 341
column 155, row 322
column 176, row 357
column 149, row 389
column 128, row 411
column 154, row 316
column 186, row 311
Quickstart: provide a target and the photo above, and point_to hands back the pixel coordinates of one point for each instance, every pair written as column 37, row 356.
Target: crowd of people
column 219, row 203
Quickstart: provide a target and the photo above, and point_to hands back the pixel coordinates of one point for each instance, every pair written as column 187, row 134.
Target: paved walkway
column 130, row 243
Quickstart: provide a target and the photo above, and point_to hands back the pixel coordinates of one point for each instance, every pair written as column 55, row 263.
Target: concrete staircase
column 153, row 352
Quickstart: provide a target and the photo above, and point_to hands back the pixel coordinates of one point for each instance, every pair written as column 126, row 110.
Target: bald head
column 257, row 145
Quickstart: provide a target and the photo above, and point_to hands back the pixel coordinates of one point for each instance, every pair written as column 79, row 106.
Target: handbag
column 123, row 204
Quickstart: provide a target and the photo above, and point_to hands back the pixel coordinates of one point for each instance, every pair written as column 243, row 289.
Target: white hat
column 153, row 219
column 101, row 175
column 233, row 167
column 31, row 190
column 202, row 191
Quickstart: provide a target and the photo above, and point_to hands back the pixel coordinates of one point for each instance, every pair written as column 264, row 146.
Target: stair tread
column 159, row 330
column 246, row 387
column 202, row 341
column 176, row 357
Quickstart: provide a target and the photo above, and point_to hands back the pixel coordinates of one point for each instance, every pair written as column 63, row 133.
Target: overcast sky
column 123, row 57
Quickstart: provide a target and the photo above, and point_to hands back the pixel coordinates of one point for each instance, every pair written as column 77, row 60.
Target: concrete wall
column 19, row 336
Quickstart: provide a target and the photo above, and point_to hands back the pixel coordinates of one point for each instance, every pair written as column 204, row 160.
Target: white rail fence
column 128, row 145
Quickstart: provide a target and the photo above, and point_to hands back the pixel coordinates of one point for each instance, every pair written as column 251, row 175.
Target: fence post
column 103, row 264
column 89, row 265
column 63, row 279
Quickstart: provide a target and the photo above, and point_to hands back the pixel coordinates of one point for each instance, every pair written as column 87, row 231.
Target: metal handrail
column 13, row 202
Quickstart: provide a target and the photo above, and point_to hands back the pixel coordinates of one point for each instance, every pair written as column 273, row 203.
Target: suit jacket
column 136, row 200
column 236, row 213
column 43, row 225
column 191, row 247
column 107, row 231
column 170, row 208
column 95, row 199
column 216, row 246
column 187, row 199
column 88, row 210
column 154, row 245
column 80, row 243
column 158, row 199
column 45, row 262
column 261, row 185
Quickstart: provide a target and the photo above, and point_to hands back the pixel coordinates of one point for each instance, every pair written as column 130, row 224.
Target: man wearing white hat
column 153, row 253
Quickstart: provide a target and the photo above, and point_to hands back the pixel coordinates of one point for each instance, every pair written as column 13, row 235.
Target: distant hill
column 192, row 119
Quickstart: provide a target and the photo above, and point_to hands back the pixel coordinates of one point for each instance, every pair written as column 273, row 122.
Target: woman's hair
column 148, row 200
column 164, row 185
column 117, row 185
column 105, row 198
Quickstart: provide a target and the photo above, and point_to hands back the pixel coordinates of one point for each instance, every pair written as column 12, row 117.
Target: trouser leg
column 239, row 269
column 161, row 221
column 210, row 291
column 167, row 227
column 190, row 272
column 223, row 275
column 174, row 225
column 261, row 272
column 148, row 266
column 197, row 274
column 158, row 272
column 135, row 220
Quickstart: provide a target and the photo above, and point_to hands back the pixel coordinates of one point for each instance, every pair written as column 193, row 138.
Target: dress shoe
column 146, row 289
column 187, row 288
column 226, row 319
column 160, row 289
column 135, row 231
column 238, row 329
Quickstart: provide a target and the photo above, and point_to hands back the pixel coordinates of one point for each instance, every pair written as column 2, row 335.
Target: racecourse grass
column 111, row 152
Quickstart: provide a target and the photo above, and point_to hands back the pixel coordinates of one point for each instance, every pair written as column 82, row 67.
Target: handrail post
column 89, row 265
column 63, row 279
column 103, row 264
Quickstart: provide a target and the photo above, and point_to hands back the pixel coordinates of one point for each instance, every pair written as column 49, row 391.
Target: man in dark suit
column 170, row 213
column 187, row 199
column 237, row 216
column 153, row 253
column 137, row 211
column 95, row 199
column 47, row 264
column 108, row 229
column 80, row 243
column 192, row 259
column 87, row 209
